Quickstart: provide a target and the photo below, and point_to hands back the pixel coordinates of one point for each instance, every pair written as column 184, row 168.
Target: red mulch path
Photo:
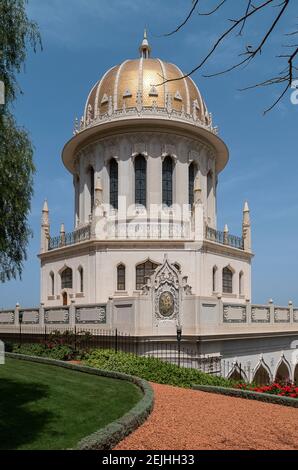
column 188, row 419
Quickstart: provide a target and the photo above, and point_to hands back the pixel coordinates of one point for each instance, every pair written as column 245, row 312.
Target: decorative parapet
column 141, row 111
column 56, row 315
column 224, row 238
column 91, row 314
column 78, row 236
column 7, row 317
column 234, row 313
column 282, row 315
column 260, row 314
column 30, row 316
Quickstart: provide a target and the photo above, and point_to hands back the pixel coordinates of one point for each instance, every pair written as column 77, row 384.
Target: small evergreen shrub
column 151, row 369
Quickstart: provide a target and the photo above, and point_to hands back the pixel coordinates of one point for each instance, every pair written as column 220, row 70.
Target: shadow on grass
column 19, row 424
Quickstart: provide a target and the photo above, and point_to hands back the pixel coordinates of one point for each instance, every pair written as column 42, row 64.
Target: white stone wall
column 154, row 146
column 100, row 271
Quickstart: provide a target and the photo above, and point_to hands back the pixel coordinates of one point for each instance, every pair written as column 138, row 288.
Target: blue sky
column 82, row 39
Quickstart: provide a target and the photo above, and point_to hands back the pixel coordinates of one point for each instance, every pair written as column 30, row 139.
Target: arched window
column 114, row 183
column 214, row 279
column 121, row 277
column 178, row 267
column 143, row 271
column 209, row 183
column 227, row 281
column 167, row 181
column 91, row 176
column 191, row 182
column 81, row 279
column 241, row 279
column 66, row 279
column 140, row 180
column 52, row 283
column 77, row 197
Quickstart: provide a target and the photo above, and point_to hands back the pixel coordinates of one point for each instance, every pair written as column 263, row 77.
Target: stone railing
column 224, row 238
column 143, row 229
column 261, row 315
column 54, row 317
column 168, row 113
column 79, row 235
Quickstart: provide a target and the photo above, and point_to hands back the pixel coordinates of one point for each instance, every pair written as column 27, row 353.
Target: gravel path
column 188, row 419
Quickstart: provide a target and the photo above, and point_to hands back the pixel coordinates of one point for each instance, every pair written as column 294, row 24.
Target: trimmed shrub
column 151, row 369
column 60, row 352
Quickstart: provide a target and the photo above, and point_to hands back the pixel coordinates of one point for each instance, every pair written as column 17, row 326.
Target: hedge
column 248, row 394
column 109, row 436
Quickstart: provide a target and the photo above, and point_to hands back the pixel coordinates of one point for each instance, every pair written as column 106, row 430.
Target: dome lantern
column 145, row 49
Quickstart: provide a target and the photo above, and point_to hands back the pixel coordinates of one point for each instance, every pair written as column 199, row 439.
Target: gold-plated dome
column 140, row 82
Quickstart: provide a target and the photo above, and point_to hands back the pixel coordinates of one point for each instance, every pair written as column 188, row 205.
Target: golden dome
column 139, row 82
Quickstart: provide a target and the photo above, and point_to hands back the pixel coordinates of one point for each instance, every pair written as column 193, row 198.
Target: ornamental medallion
column 166, row 304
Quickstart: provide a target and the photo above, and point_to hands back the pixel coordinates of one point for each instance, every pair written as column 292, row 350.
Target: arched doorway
column 64, row 297
column 296, row 375
column 261, row 376
column 282, row 374
column 237, row 375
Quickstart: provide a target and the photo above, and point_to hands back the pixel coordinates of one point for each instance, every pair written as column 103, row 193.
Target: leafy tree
column 17, row 33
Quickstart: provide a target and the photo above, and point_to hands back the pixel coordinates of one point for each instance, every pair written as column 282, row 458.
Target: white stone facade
column 145, row 255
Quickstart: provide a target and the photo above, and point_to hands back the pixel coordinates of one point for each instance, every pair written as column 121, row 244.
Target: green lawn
column 47, row 407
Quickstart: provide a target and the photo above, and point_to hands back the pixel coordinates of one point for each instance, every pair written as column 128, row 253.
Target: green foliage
column 17, row 32
column 151, row 369
column 80, row 340
column 59, row 352
column 16, row 182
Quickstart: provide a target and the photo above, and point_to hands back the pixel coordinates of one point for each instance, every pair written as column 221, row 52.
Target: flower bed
column 288, row 390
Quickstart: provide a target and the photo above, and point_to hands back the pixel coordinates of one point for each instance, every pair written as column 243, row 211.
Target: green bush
column 151, row 369
column 60, row 352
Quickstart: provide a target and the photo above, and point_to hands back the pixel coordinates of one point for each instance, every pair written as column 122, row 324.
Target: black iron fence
column 176, row 351
column 224, row 238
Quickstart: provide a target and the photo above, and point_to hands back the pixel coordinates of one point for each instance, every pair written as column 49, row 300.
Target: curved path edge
column 109, row 436
column 248, row 394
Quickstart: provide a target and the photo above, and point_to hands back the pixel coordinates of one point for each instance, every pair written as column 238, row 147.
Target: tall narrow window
column 227, row 281
column 121, row 277
column 114, row 183
column 52, row 283
column 241, row 278
column 143, row 271
column 191, row 182
column 77, row 198
column 214, row 276
column 140, row 180
column 167, row 181
column 66, row 279
column 81, row 279
column 91, row 175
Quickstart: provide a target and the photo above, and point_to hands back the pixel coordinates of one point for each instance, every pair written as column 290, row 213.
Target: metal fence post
column 116, row 340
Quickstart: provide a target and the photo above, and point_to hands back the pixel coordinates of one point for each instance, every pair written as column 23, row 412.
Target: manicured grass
column 48, row 407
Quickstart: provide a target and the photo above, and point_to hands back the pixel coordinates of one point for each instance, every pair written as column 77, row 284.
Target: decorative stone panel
column 281, row 315
column 234, row 314
column 96, row 314
column 295, row 315
column 260, row 315
column 58, row 315
column 30, row 317
column 7, row 318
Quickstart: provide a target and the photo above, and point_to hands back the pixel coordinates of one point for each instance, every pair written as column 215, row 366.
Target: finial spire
column 145, row 49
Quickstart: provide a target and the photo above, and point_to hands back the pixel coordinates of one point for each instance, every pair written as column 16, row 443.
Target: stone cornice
column 218, row 248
